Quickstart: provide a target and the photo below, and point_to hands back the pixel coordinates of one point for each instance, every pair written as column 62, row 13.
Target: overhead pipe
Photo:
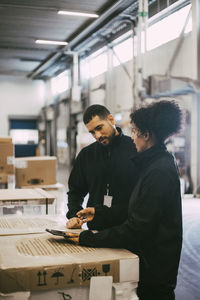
column 86, row 32
column 95, row 24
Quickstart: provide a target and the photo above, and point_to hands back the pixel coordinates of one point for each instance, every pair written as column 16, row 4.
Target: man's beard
column 109, row 138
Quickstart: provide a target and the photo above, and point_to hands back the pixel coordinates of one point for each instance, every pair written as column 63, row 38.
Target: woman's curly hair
column 162, row 118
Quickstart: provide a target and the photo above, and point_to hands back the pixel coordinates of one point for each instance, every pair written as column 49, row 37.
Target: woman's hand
column 87, row 214
column 72, row 237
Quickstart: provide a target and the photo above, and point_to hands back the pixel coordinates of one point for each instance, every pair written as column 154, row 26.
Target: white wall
column 19, row 96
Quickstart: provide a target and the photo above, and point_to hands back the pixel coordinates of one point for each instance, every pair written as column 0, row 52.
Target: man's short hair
column 95, row 110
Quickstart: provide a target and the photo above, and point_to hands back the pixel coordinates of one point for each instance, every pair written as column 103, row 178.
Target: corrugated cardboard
column 7, row 178
column 47, row 187
column 39, row 170
column 17, row 225
column 22, row 197
column 31, row 195
column 6, row 158
column 42, row 262
column 59, row 191
column 3, row 177
column 6, row 139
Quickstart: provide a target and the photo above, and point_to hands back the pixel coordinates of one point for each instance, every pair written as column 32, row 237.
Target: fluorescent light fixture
column 51, row 42
column 78, row 14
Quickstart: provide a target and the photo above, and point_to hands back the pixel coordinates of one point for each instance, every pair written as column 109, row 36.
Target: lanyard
column 107, row 189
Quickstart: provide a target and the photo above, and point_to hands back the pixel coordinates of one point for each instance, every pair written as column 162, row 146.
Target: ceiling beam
column 84, row 34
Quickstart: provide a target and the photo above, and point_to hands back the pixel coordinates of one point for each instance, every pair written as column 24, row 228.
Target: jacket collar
column 117, row 138
column 144, row 159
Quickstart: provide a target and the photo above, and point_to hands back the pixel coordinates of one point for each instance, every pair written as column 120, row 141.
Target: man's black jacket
column 153, row 229
column 95, row 167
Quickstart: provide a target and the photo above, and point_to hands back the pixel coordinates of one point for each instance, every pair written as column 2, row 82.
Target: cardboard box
column 42, row 262
column 17, row 225
column 46, row 187
column 8, row 180
column 37, row 170
column 6, row 158
column 58, row 190
column 3, row 178
column 6, row 139
column 21, row 197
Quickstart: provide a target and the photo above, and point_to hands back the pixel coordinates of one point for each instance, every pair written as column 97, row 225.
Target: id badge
column 107, row 200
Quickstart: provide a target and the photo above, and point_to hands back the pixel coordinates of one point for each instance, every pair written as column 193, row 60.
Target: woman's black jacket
column 153, row 229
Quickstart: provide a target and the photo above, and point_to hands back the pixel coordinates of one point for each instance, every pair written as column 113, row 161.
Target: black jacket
column 153, row 229
column 94, row 168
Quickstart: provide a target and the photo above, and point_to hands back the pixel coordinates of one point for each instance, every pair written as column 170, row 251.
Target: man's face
column 102, row 130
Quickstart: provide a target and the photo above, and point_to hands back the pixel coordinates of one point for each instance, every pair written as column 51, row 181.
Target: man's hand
column 87, row 214
column 74, row 223
column 72, row 238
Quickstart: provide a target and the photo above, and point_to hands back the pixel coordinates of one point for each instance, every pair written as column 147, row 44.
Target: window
column 98, row 64
column 85, row 69
column 95, row 64
column 24, row 136
column 60, row 83
column 124, row 51
column 168, row 28
column 24, row 133
column 158, row 34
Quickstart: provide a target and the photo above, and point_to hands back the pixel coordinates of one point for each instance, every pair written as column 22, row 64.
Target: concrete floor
column 188, row 285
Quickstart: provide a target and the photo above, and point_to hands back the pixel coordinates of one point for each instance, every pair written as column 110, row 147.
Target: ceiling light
column 79, row 14
column 51, row 42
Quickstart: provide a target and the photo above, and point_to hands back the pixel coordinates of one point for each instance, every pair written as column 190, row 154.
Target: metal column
column 195, row 160
column 139, row 65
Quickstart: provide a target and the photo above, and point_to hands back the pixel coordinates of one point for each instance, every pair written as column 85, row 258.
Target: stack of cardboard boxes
column 30, row 171
column 7, row 168
column 24, row 172
column 35, row 171
column 40, row 172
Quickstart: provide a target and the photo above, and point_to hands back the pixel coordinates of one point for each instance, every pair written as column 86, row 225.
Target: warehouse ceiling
column 24, row 21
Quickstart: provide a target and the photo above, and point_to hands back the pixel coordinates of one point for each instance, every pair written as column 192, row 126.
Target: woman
column 153, row 229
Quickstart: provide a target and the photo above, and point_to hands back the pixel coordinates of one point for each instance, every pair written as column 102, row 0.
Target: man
column 103, row 170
